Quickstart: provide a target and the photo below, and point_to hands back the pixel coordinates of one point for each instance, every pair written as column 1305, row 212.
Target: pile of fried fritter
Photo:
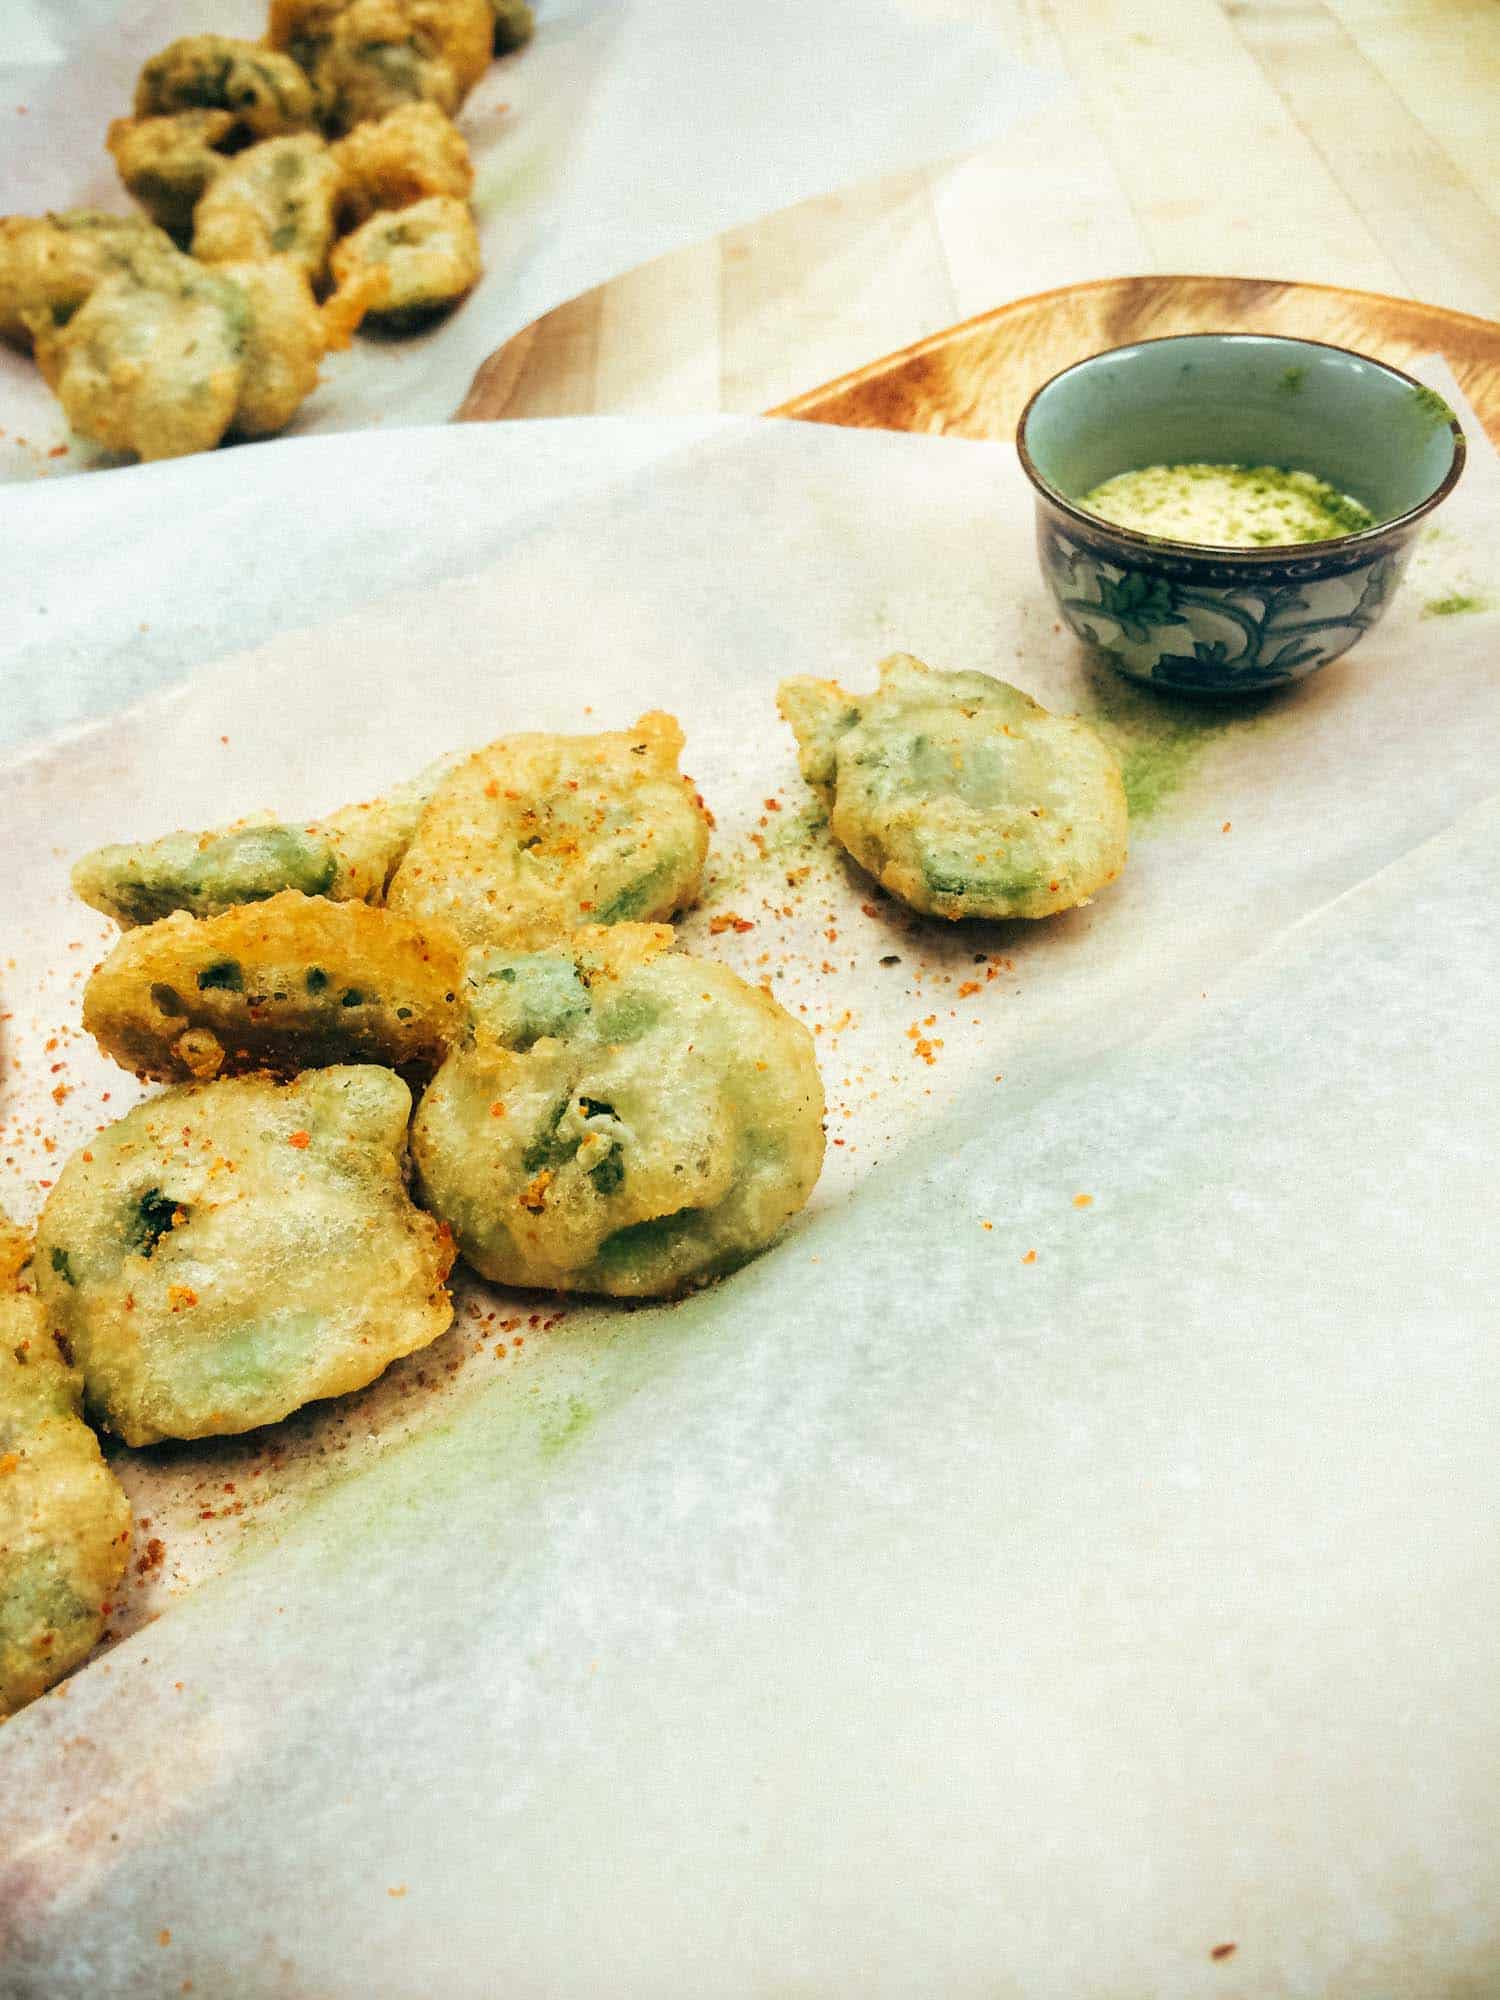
column 292, row 189
column 453, row 1021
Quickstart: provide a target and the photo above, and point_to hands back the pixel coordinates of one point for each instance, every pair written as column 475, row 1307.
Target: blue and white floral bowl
column 1209, row 620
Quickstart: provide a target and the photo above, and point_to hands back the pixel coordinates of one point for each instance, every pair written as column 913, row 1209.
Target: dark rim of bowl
column 1238, row 552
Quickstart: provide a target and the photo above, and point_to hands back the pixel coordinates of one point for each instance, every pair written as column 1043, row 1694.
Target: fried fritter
column 373, row 61
column 408, row 266
column 64, row 1520
column 166, row 358
column 620, row 1118
column 285, row 339
column 49, row 264
column 366, row 57
column 391, row 162
column 461, row 30
column 152, row 364
column 959, row 793
column 203, row 99
column 278, row 199
column 303, row 28
column 227, row 1252
column 265, row 93
column 348, row 857
column 15, row 1252
column 293, row 983
column 536, row 835
column 515, row 24
column 167, row 163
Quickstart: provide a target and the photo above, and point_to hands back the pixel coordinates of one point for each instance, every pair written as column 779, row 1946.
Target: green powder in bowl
column 1227, row 506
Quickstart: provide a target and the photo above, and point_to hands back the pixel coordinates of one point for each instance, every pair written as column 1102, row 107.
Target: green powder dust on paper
column 1453, row 606
column 1157, row 737
column 565, row 1427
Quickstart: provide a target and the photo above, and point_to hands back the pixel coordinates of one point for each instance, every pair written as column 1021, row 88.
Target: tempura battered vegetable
column 620, row 1118
column 407, row 266
column 276, row 200
column 227, row 1252
column 64, row 1520
column 152, row 367
column 265, row 93
column 417, row 50
column 515, row 24
column 369, row 56
column 15, row 1251
column 391, row 162
column 461, row 30
column 536, row 835
column 285, row 985
column 167, row 163
column 166, row 359
column 303, row 28
column 49, row 264
column 285, row 339
column 348, row 857
column 961, row 794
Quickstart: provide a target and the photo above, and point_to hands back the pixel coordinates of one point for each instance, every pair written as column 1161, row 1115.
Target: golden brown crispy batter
column 265, row 93
column 64, row 1520
column 619, row 1117
column 290, row 984
column 15, row 1250
column 49, row 264
column 391, row 162
column 151, row 364
column 960, row 793
column 167, row 163
column 302, row 27
column 229, row 1251
column 536, row 835
column 277, row 199
column 463, row 30
column 407, row 266
column 369, row 58
column 349, row 857
column 166, row 359
column 285, row 339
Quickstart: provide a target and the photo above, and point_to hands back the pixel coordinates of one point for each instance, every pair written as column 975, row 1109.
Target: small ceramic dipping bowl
column 1214, row 620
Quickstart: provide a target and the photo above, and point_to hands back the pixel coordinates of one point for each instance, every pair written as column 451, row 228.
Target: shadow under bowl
column 1201, row 618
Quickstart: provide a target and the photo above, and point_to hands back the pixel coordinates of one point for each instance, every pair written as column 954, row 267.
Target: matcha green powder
column 1230, row 506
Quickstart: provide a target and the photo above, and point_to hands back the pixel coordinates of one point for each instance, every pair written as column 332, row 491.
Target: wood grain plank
column 974, row 380
column 1219, row 174
column 1441, row 235
column 1442, row 59
column 548, row 370
column 1041, row 207
column 660, row 336
column 811, row 291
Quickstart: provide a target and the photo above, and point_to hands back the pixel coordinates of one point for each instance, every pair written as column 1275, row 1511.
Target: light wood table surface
column 1348, row 142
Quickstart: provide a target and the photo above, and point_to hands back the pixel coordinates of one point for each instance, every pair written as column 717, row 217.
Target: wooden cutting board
column 975, row 379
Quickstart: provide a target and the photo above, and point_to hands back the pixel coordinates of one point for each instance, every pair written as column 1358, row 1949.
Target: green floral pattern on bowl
column 1230, row 621
column 1185, row 631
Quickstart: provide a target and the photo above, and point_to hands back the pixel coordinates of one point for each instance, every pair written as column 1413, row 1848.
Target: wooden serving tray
column 974, row 380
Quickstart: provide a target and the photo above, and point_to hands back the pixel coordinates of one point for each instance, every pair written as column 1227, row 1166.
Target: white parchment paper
column 625, row 129
column 1072, row 1551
